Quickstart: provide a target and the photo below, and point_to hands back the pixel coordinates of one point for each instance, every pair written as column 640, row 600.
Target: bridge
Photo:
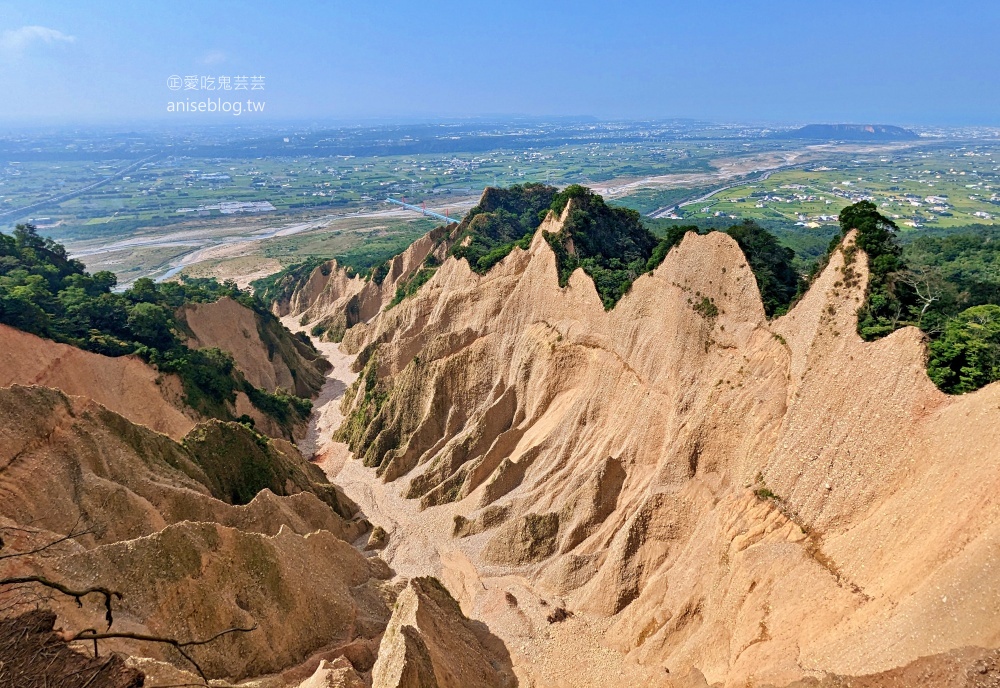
column 423, row 210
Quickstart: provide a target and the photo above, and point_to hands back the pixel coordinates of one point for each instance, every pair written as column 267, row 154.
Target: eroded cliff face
column 762, row 500
column 737, row 500
column 268, row 355
column 126, row 385
column 155, row 520
column 336, row 301
column 430, row 642
column 226, row 529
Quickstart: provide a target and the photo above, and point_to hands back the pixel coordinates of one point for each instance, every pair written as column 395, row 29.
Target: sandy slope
column 608, row 460
column 126, row 384
column 544, row 654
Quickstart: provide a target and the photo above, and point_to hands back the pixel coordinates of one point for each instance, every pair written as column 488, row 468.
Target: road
column 666, row 210
column 73, row 194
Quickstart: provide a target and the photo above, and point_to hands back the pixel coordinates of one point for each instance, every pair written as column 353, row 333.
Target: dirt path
column 566, row 654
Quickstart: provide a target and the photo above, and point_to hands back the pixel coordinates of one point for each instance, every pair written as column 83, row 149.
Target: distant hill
column 849, row 132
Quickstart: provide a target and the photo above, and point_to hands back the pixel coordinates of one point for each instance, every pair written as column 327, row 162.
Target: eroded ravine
column 766, row 464
column 544, row 653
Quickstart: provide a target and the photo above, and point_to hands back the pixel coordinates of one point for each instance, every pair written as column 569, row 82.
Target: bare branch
column 72, row 535
column 927, row 284
column 44, row 547
column 76, row 594
column 90, row 634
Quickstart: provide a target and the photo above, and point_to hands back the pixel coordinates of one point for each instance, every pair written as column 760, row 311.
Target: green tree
column 967, row 356
column 890, row 300
column 502, row 220
column 144, row 290
column 151, row 325
column 610, row 243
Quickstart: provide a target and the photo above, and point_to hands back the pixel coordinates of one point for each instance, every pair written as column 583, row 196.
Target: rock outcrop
column 429, row 643
column 337, row 674
column 156, row 521
column 335, row 300
column 758, row 499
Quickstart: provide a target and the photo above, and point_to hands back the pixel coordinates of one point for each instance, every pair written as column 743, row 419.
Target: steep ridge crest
column 758, row 468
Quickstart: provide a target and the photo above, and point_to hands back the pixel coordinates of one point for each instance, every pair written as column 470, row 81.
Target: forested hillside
column 44, row 292
column 947, row 286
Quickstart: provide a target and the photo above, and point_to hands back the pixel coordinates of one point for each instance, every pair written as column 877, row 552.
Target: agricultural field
column 172, row 189
column 163, row 204
column 937, row 188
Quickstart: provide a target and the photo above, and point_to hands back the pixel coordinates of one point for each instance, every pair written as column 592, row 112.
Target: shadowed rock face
column 159, row 529
column 745, row 496
column 33, row 656
column 268, row 356
column 430, row 643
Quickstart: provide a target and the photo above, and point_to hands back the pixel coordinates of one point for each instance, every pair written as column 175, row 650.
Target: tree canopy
column 503, row 219
column 947, row 286
column 610, row 243
column 967, row 356
column 44, row 292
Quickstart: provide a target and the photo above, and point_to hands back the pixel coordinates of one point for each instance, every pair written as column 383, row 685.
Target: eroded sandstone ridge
column 335, row 300
column 760, row 500
column 675, row 492
column 227, row 529
column 223, row 530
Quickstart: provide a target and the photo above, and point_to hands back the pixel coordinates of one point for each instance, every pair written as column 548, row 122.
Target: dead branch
column 46, row 546
column 106, row 593
column 91, row 634
column 927, row 284
column 72, row 535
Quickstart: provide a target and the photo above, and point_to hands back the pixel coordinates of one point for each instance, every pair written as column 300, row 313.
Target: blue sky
column 767, row 61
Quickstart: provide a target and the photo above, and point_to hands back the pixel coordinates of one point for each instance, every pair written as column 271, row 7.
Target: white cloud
column 214, row 57
column 17, row 40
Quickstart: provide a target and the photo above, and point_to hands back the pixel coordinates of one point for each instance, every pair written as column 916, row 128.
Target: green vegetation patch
column 966, row 356
column 238, row 461
column 948, row 286
column 889, row 298
column 44, row 292
column 706, row 308
column 360, row 429
column 610, row 243
column 503, row 219
column 409, row 287
column 281, row 285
